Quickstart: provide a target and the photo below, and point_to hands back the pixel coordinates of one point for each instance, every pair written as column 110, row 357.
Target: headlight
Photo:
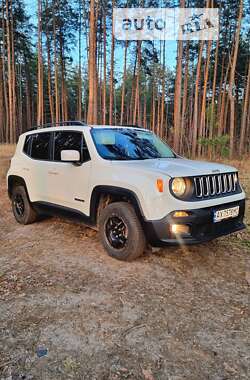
column 179, row 186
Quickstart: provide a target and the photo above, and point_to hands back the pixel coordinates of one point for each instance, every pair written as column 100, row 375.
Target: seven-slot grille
column 214, row 185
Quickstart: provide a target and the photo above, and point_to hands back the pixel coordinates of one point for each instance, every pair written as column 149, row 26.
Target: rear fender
column 14, row 180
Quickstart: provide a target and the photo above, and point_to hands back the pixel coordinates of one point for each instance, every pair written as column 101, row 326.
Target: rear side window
column 70, row 141
column 40, row 146
column 27, row 145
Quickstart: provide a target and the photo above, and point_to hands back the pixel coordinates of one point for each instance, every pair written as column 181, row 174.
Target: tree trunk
column 145, row 112
column 163, row 89
column 137, row 88
column 153, row 109
column 177, row 94
column 222, row 104
column 28, row 100
column 204, row 97
column 2, row 137
column 40, row 68
column 104, row 85
column 212, row 117
column 196, row 101
column 10, row 94
column 124, row 81
column 158, row 116
column 245, row 112
column 185, row 99
column 177, row 97
column 19, row 122
column 191, row 112
column 63, row 82
column 51, row 100
column 13, row 76
column 57, row 101
column 231, row 88
column 248, row 133
column 111, row 86
column 79, row 102
column 5, row 92
column 92, row 105
column 133, row 89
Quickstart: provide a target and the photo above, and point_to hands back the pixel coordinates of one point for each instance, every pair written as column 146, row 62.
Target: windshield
column 129, row 144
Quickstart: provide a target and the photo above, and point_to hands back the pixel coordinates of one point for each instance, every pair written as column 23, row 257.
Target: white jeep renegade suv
column 125, row 182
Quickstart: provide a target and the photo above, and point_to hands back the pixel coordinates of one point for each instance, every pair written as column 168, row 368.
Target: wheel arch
column 14, row 180
column 117, row 194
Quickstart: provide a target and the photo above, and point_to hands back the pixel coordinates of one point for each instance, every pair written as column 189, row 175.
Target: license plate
column 227, row 213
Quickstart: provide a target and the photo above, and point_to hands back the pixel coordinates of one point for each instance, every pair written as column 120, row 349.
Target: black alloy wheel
column 116, row 232
column 121, row 231
column 22, row 207
column 19, row 204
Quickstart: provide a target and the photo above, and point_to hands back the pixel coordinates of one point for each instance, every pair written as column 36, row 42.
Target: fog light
column 179, row 229
column 180, row 214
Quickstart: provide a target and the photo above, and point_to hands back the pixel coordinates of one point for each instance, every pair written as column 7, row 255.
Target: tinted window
column 40, row 146
column 70, row 141
column 26, row 147
column 129, row 144
column 85, row 151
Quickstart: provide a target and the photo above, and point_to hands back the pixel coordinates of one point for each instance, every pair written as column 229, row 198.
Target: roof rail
column 60, row 124
column 131, row 125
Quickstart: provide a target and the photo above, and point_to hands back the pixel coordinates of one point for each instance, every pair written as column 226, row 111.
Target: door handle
column 26, row 169
column 53, row 173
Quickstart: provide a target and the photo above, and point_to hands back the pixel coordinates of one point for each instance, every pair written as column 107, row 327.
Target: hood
column 178, row 167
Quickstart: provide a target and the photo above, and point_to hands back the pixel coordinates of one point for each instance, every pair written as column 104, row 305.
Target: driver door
column 68, row 182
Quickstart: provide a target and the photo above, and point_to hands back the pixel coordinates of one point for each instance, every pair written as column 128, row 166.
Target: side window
column 70, row 141
column 27, row 143
column 40, row 146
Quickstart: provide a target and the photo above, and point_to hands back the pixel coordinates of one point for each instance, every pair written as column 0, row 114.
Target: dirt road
column 68, row 311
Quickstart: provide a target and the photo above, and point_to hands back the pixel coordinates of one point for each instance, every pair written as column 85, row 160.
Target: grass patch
column 242, row 243
column 246, row 243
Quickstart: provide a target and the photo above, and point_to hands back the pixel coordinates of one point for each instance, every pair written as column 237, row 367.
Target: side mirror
column 70, row 155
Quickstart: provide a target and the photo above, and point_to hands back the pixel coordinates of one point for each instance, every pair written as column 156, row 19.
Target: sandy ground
column 68, row 311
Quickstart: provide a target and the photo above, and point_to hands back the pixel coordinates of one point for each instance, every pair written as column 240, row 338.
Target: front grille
column 216, row 185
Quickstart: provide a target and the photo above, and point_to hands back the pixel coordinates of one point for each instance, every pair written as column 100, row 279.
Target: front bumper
column 201, row 226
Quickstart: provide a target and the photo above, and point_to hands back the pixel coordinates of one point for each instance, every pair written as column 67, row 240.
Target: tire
column 121, row 232
column 21, row 206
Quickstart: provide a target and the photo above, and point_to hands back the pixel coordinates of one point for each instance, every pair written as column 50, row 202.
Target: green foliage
column 219, row 144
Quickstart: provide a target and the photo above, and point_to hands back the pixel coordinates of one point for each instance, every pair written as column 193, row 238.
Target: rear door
column 37, row 165
column 68, row 182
